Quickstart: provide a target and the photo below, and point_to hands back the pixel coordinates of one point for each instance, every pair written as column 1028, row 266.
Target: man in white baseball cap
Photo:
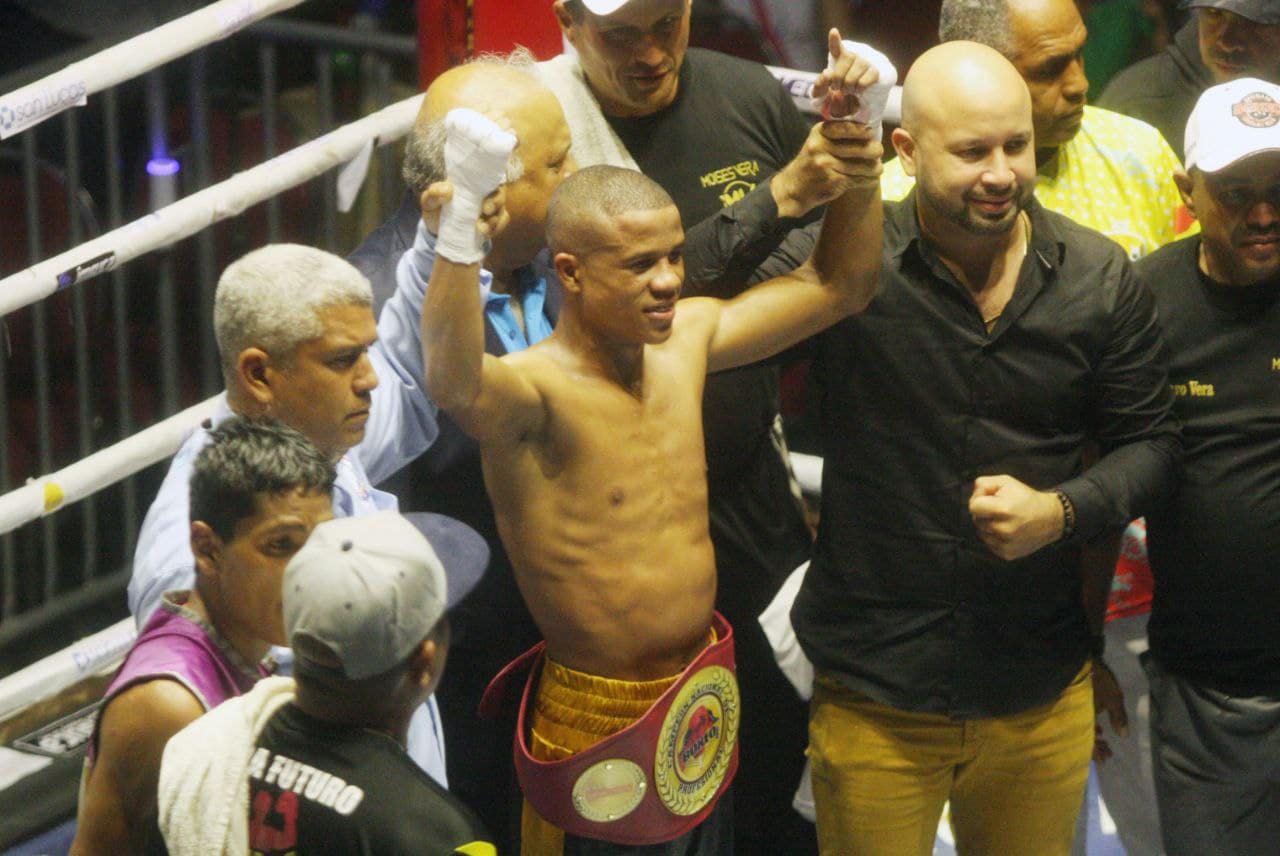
column 317, row 763
column 1214, row 662
column 1232, row 122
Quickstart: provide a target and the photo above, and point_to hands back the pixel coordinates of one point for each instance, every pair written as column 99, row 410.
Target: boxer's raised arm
column 855, row 83
column 839, row 279
column 486, row 397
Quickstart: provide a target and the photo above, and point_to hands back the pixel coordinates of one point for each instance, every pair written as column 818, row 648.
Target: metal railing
column 93, row 364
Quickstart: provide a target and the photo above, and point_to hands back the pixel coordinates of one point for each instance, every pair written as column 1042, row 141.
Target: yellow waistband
column 575, row 710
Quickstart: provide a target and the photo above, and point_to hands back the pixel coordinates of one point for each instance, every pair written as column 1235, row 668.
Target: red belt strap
column 654, row 780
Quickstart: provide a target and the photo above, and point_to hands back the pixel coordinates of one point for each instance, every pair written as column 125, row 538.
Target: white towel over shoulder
column 594, row 141
column 204, row 788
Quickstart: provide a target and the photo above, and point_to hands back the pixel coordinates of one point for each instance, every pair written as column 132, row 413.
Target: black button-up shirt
column 902, row 601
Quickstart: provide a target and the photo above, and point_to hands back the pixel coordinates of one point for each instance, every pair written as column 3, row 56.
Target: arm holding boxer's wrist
column 855, row 84
column 839, row 278
column 485, row 396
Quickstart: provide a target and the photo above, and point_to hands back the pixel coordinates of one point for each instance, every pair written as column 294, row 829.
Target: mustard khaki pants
column 881, row 776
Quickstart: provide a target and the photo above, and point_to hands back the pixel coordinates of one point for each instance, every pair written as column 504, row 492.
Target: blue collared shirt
column 533, row 300
column 414, row 270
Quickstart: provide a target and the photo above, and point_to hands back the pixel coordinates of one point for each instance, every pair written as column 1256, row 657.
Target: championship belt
column 654, row 780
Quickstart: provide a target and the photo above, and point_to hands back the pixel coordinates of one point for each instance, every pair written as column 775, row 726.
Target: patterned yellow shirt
column 1115, row 176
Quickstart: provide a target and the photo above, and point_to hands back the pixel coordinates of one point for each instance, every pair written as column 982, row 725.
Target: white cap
column 1232, row 121
column 604, row 7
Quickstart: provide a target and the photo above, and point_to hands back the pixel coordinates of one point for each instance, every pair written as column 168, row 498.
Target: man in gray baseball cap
column 1224, row 40
column 318, row 762
column 1259, row 11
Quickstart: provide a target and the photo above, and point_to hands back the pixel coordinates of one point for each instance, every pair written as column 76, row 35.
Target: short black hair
column 246, row 458
column 594, row 193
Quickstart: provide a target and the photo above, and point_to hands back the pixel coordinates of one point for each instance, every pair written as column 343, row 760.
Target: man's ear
column 422, row 666
column 905, row 145
column 254, row 372
column 569, row 271
column 1185, row 184
column 206, row 547
column 564, row 19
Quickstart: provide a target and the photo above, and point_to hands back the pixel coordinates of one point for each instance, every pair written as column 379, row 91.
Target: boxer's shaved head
column 585, row 205
column 955, row 80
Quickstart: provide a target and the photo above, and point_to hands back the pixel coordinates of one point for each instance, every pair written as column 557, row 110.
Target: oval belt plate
column 696, row 742
column 609, row 790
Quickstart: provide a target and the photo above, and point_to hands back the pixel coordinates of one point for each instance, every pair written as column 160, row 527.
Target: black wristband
column 1068, row 515
column 1097, row 646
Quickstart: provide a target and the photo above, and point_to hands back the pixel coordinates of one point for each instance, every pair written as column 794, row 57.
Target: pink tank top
column 177, row 645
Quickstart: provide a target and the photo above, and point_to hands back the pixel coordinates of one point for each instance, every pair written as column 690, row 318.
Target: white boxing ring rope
column 160, row 229
column 30, row 105
column 92, row 655
column 226, row 199
column 46, row 494
column 206, row 207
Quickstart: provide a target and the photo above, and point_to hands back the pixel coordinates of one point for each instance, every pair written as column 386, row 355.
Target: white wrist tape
column 871, row 101
column 476, row 152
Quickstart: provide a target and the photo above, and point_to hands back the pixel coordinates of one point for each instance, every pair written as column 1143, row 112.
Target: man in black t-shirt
column 317, row 764
column 1214, row 661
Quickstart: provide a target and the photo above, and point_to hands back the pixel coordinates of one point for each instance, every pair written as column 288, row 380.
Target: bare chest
column 621, row 453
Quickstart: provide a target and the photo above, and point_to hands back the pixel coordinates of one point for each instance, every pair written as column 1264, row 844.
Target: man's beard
column 971, row 220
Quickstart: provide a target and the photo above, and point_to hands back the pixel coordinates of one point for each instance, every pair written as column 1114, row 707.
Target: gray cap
column 364, row 591
column 1258, row 11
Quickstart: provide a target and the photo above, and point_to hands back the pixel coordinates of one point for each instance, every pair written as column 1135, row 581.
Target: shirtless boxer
column 592, row 449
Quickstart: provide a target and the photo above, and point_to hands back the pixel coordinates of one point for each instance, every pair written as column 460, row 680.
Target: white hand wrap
column 476, row 152
column 871, row 101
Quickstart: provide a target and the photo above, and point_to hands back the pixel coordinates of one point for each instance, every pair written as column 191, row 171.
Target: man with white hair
column 298, row 342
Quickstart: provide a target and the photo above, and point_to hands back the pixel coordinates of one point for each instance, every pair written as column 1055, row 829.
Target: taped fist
column 476, row 152
column 855, row 84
